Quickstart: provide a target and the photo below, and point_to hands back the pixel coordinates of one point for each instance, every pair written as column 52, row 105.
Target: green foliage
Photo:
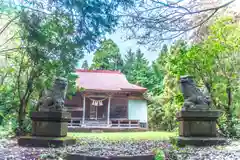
column 134, row 65
column 138, row 68
column 93, row 18
column 107, row 56
column 138, row 71
column 6, row 132
column 50, row 45
column 159, row 154
column 163, row 107
column 85, row 65
column 8, row 98
column 214, row 63
column 48, row 49
column 6, row 102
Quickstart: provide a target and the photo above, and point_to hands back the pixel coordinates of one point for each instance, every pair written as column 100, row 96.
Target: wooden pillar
column 108, row 110
column 84, row 108
column 96, row 112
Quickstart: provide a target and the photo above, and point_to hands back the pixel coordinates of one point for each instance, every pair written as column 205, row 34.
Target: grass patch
column 125, row 135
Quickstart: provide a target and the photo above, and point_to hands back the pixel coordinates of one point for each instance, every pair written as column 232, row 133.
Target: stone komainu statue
column 53, row 100
column 194, row 99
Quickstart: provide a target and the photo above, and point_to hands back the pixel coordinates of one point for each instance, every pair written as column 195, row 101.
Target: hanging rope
column 98, row 102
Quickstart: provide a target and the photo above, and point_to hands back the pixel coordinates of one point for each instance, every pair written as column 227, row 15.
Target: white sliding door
column 137, row 110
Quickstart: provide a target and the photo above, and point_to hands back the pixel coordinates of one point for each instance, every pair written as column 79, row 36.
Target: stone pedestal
column 50, row 124
column 48, row 129
column 198, row 127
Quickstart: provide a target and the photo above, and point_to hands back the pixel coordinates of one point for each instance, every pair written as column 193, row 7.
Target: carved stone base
column 200, row 141
column 198, row 127
column 49, row 129
column 50, row 124
column 32, row 141
column 198, row 123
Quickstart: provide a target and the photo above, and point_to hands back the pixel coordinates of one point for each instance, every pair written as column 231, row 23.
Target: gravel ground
column 227, row 152
column 9, row 150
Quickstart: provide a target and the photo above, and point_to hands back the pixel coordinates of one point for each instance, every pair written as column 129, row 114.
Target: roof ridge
column 98, row 71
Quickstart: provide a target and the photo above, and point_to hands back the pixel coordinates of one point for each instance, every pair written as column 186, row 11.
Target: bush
column 162, row 118
column 10, row 124
column 162, row 115
column 5, row 132
column 159, row 154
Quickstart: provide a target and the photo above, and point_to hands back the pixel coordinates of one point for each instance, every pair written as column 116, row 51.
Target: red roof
column 105, row 80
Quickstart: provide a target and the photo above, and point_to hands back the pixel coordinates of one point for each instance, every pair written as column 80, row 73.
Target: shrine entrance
column 93, row 112
column 97, row 108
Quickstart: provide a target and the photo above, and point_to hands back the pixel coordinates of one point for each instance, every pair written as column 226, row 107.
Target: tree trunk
column 229, row 112
column 21, row 117
column 230, row 124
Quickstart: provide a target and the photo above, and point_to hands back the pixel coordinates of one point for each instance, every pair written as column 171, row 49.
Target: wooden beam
column 97, row 96
column 69, row 109
column 136, row 97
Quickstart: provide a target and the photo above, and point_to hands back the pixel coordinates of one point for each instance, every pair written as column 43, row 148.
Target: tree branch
column 165, row 21
column 11, row 49
column 8, row 23
column 3, row 78
column 213, row 8
column 9, row 39
column 192, row 12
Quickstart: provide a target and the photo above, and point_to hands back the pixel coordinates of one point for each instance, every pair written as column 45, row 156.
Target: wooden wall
column 75, row 105
column 75, row 101
column 118, row 108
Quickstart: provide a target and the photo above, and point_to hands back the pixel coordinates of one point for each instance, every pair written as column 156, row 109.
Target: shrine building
column 108, row 101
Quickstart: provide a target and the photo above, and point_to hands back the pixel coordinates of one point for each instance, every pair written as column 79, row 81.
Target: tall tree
column 138, row 71
column 164, row 49
column 42, row 56
column 163, row 107
column 92, row 19
column 129, row 59
column 85, row 65
column 52, row 38
column 107, row 56
column 139, row 67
